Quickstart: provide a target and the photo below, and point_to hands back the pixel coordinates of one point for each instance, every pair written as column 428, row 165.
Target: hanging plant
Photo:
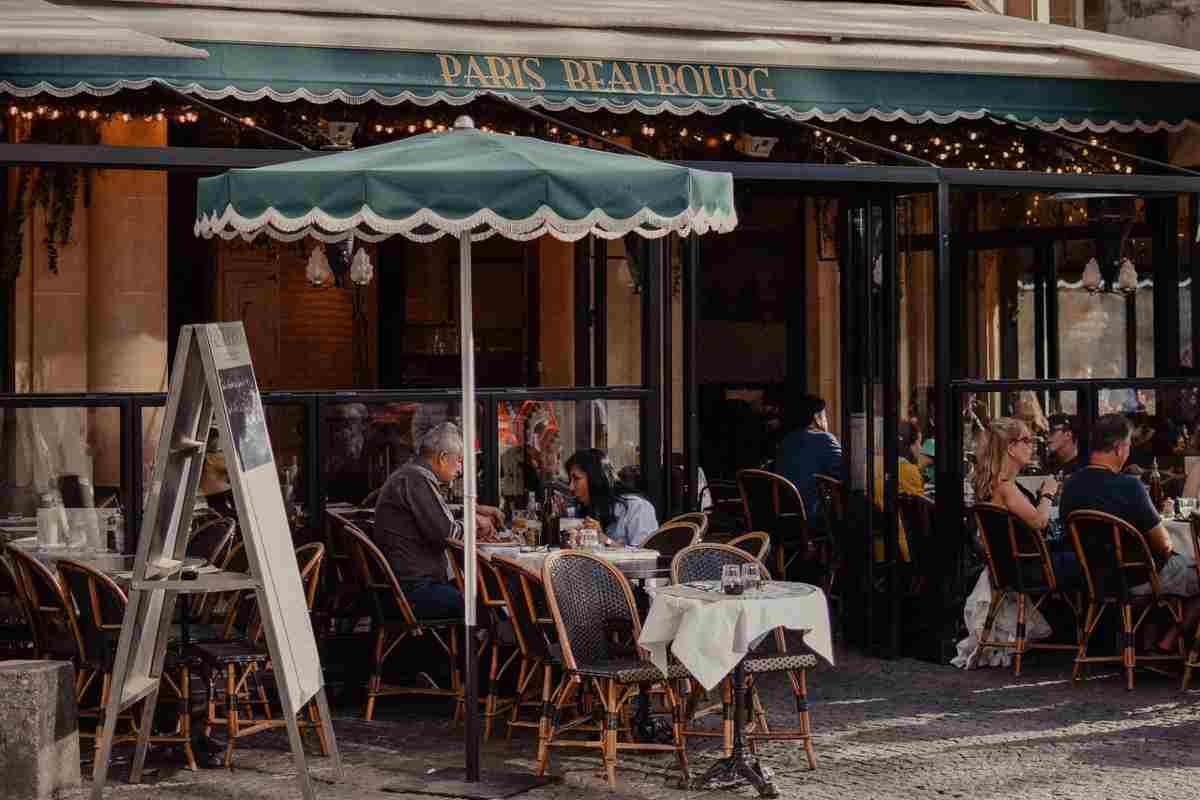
column 14, row 239
column 54, row 189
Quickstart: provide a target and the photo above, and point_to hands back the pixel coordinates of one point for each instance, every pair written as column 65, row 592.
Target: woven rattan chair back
column 212, row 540
column 47, row 604
column 593, row 609
column 98, row 611
column 376, row 579
column 1002, row 536
column 703, row 562
column 514, row 580
column 697, row 518
column 756, row 543
column 672, row 537
column 1113, row 555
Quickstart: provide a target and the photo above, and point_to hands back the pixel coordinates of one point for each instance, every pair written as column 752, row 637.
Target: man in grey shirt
column 413, row 524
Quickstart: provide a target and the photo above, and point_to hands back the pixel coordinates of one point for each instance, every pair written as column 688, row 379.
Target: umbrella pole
column 470, row 582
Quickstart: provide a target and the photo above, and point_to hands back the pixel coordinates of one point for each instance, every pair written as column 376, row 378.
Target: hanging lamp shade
column 427, row 186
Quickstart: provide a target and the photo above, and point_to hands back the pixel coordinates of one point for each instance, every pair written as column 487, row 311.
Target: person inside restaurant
column 214, row 478
column 1004, row 447
column 809, row 450
column 621, row 516
column 1063, row 445
column 1101, row 486
column 413, row 523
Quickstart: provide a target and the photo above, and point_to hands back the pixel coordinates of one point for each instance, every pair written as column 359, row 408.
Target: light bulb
column 361, row 270
column 1127, row 278
column 1091, row 276
column 318, row 271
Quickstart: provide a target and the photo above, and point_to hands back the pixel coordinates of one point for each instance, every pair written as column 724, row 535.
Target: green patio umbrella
column 466, row 182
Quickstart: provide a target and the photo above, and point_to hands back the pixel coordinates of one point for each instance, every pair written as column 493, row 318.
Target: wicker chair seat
column 781, row 663
column 631, row 670
column 231, row 651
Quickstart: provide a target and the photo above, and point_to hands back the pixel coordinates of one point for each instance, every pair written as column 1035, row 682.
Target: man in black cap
column 1063, row 444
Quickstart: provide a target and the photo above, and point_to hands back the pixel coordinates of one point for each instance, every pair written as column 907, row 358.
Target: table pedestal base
column 736, row 769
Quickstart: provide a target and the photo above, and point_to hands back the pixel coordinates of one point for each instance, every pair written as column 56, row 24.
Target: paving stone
column 896, row 729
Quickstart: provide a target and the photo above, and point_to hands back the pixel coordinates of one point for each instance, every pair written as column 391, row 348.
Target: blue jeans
column 432, row 599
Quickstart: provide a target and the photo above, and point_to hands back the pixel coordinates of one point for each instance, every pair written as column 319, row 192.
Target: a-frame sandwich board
column 213, row 382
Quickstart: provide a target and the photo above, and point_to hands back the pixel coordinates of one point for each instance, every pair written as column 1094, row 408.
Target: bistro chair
column 1018, row 562
column 697, row 518
column 1114, row 558
column 393, row 621
column 212, row 540
column 916, row 516
column 97, row 612
column 525, row 596
column 756, row 543
column 773, row 504
column 673, row 537
column 16, row 628
column 598, row 628
column 492, row 599
column 703, row 562
column 1193, row 659
column 831, row 517
column 242, row 658
column 371, row 499
column 726, row 513
column 343, row 597
column 47, row 604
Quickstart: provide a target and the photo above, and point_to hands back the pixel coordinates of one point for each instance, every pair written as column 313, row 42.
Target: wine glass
column 731, row 579
column 751, row 577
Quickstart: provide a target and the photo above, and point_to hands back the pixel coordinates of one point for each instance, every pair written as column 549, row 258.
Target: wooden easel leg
column 143, row 739
column 327, row 727
column 293, row 729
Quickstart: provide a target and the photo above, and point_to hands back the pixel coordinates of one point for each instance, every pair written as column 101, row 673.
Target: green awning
column 323, row 74
column 426, row 186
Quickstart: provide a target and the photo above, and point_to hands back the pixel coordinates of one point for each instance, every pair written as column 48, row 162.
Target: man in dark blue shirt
column 809, row 450
column 1100, row 486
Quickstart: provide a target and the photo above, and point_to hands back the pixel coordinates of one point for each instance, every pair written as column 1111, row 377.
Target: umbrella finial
column 463, row 123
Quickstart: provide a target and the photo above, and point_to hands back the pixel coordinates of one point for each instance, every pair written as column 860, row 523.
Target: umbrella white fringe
column 427, row 225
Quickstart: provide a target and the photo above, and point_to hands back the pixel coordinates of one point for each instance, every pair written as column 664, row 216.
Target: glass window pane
column 63, row 455
column 537, row 437
column 362, row 443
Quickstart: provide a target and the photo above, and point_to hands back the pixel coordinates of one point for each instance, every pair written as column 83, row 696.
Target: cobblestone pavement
column 903, row 729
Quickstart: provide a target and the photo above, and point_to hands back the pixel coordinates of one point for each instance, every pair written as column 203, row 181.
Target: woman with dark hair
column 623, row 517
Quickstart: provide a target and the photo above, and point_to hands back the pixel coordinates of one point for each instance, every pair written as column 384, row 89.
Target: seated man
column 413, row 524
column 1100, row 486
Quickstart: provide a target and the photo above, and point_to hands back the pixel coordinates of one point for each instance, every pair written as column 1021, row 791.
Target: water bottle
column 115, row 535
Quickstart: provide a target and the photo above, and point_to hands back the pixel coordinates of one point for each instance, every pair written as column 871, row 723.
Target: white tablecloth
column 709, row 632
column 534, row 560
column 1181, row 538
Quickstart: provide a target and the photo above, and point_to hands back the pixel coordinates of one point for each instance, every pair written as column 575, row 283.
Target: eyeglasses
column 1023, row 440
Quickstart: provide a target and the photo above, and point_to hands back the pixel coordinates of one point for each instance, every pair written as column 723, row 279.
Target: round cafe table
column 711, row 634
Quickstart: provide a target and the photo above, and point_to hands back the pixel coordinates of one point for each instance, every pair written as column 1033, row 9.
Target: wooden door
column 250, row 293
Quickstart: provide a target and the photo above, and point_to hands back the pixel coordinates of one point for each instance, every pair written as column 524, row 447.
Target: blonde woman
column 1002, row 448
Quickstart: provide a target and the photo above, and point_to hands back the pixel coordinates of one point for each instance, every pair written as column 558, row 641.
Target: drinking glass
column 1187, row 507
column 591, row 540
column 751, row 577
column 731, row 579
